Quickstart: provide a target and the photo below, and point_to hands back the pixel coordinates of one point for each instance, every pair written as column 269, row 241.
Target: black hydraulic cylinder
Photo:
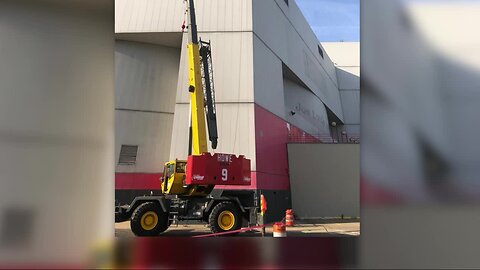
column 193, row 32
column 211, row 114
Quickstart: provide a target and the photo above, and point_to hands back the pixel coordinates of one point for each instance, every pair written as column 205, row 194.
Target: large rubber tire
column 148, row 208
column 222, row 209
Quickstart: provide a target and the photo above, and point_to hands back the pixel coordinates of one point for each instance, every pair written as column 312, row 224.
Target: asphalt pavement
column 304, row 229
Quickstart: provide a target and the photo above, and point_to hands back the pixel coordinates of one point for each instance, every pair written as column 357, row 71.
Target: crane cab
column 174, row 181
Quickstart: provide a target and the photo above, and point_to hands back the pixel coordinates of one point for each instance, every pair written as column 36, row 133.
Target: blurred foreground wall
column 56, row 130
column 419, row 157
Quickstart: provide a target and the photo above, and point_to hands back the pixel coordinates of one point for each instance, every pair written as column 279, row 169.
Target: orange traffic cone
column 279, row 230
column 289, row 219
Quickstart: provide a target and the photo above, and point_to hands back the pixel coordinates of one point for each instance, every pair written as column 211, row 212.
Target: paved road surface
column 122, row 230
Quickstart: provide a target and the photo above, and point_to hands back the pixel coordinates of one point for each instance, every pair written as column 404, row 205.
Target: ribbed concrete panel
column 270, row 25
column 167, row 39
column 303, row 28
column 322, row 84
column 348, row 78
column 236, row 130
column 304, row 110
column 224, row 15
column 148, row 15
column 168, row 15
column 288, row 38
column 351, row 106
column 232, row 64
column 273, row 22
column 269, row 88
column 146, row 76
column 151, row 132
column 343, row 54
column 179, row 143
column 305, row 64
column 268, row 79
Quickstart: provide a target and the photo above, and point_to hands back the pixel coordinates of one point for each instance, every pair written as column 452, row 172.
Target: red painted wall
column 137, row 181
column 271, row 137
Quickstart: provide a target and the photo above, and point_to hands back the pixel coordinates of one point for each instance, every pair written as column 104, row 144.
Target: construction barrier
column 279, row 230
column 289, row 218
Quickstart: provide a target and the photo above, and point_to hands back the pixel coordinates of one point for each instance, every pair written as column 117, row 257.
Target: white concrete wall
column 146, row 81
column 151, row 132
column 145, row 76
column 346, row 57
column 56, row 130
column 282, row 32
column 168, row 15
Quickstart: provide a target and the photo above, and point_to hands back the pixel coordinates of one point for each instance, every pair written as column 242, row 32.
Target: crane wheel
column 225, row 217
column 148, row 219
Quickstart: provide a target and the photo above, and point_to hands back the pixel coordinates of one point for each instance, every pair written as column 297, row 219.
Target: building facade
column 274, row 83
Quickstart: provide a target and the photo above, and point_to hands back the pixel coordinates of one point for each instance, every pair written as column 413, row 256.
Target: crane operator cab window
column 180, row 167
column 169, row 171
column 174, row 169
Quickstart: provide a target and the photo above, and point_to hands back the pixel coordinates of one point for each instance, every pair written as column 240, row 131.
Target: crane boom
column 199, row 91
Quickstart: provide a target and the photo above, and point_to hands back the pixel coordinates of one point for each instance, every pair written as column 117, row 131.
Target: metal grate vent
column 128, row 155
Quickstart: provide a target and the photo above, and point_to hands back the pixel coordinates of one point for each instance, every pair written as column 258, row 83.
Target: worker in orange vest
column 263, row 209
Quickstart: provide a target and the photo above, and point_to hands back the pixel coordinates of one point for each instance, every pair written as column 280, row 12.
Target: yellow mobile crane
column 187, row 185
column 202, row 104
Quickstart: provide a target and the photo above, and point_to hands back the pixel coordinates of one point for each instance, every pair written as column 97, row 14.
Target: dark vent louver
column 128, row 155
